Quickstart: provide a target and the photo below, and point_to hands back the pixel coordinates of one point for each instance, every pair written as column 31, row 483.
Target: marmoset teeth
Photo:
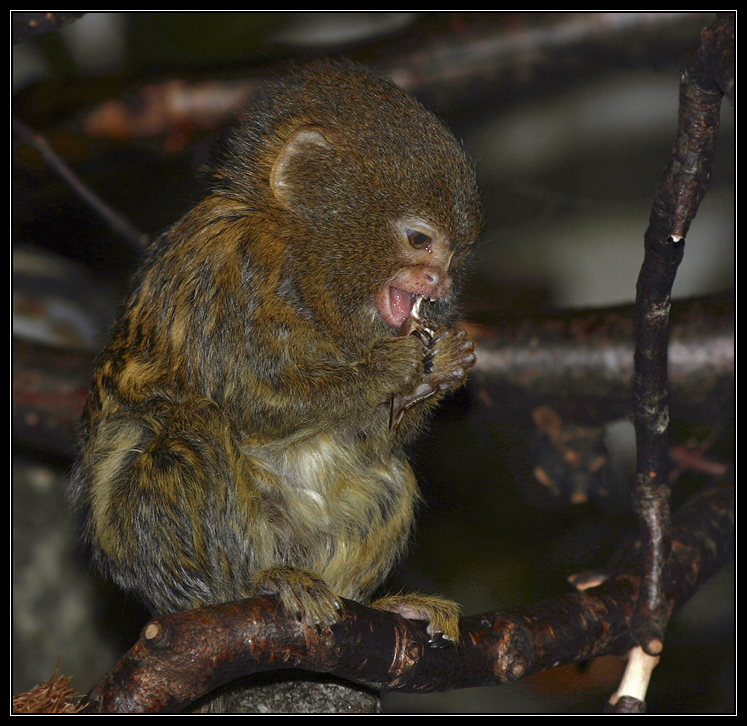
column 422, row 328
column 416, row 307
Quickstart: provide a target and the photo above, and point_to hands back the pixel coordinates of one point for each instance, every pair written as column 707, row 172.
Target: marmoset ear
column 304, row 158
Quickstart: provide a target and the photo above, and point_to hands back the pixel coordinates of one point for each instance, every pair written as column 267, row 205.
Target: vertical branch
column 680, row 191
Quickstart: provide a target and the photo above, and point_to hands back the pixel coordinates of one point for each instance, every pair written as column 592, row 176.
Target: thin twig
column 630, row 697
column 116, row 221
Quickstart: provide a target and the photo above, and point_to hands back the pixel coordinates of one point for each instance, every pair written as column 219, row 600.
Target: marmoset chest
column 330, row 509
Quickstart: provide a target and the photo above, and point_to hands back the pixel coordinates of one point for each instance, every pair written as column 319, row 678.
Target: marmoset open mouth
column 395, row 305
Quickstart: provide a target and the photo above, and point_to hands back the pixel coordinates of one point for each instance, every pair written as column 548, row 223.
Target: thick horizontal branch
column 466, row 59
column 450, row 60
column 183, row 656
column 581, row 362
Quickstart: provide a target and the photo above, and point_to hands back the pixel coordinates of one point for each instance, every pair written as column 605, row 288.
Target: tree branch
column 578, row 363
column 116, row 221
column 181, row 657
column 676, row 201
column 450, row 60
column 581, row 362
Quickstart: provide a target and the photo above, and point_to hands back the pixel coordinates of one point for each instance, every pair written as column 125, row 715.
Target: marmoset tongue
column 400, row 305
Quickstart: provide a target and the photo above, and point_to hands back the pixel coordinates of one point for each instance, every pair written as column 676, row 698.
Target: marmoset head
column 372, row 195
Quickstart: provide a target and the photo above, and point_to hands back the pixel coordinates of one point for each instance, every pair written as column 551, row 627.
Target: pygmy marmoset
column 245, row 428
